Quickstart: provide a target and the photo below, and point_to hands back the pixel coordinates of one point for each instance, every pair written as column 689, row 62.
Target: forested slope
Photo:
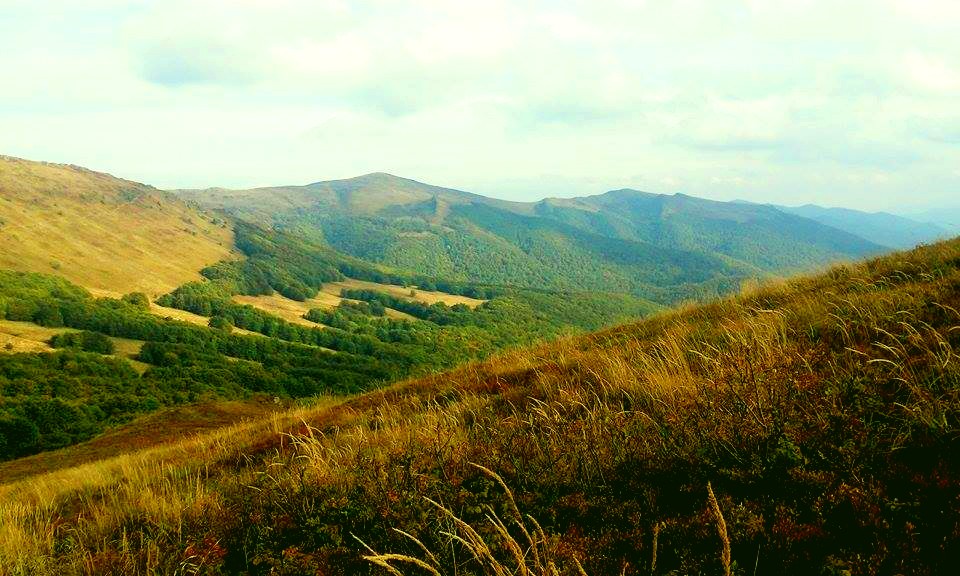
column 665, row 248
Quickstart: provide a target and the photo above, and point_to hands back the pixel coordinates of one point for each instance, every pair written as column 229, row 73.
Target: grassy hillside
column 666, row 248
column 805, row 427
column 102, row 232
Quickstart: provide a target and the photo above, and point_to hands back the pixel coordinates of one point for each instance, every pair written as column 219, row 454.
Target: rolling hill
column 665, row 248
column 118, row 300
column 103, row 232
column 808, row 426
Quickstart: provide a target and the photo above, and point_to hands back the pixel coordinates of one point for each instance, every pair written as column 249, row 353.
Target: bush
column 87, row 341
column 137, row 299
column 18, row 436
column 221, row 323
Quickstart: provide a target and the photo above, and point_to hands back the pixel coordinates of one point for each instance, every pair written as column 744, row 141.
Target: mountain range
column 663, row 247
column 72, row 222
column 882, row 228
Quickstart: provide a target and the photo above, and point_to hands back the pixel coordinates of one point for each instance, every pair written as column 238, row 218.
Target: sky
column 841, row 103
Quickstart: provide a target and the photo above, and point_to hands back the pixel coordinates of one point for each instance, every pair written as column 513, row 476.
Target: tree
column 138, row 299
column 18, row 437
column 48, row 314
column 221, row 323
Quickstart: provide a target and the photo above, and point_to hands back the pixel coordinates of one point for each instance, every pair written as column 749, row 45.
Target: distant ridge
column 881, row 228
column 665, row 246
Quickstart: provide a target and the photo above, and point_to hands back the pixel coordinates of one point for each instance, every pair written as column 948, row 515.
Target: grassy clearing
column 30, row 337
column 128, row 349
column 810, row 426
column 290, row 310
column 177, row 314
column 294, row 311
column 102, row 232
column 26, row 336
column 411, row 294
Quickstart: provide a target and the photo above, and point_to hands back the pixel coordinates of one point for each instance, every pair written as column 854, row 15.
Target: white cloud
column 931, row 72
column 787, row 101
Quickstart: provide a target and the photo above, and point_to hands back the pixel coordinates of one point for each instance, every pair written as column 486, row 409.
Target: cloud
column 192, row 62
column 772, row 101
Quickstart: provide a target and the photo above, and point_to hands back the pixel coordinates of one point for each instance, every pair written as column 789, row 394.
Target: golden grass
column 102, row 232
column 27, row 336
column 425, row 296
column 294, row 310
column 168, row 426
column 529, row 553
column 164, row 483
column 721, row 529
column 128, row 349
column 30, row 337
column 290, row 310
column 177, row 314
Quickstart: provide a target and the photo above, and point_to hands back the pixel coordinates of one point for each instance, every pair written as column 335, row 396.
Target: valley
column 613, row 288
column 275, row 379
column 659, row 247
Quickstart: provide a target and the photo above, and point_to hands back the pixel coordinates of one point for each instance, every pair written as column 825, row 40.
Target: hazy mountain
column 947, row 217
column 667, row 247
column 878, row 227
column 100, row 231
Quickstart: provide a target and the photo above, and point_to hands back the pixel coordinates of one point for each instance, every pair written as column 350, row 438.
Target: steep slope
column 877, row 227
column 102, row 232
column 661, row 247
column 806, row 427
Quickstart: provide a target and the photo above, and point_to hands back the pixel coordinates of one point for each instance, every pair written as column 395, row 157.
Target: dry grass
column 294, row 311
column 168, row 426
column 128, row 349
column 165, row 483
column 30, row 337
column 177, row 314
column 529, row 552
column 329, row 297
column 27, row 336
column 425, row 296
column 102, row 232
column 290, row 310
